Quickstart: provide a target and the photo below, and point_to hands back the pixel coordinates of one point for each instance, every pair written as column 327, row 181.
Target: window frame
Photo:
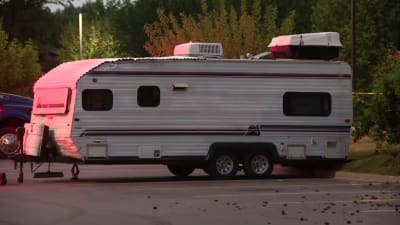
column 325, row 98
column 109, row 105
column 51, row 101
column 145, row 102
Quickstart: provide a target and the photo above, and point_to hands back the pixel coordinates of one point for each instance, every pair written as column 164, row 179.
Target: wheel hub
column 259, row 164
column 9, row 144
column 224, row 165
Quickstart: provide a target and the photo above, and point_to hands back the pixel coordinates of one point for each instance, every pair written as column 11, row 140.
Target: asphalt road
column 117, row 195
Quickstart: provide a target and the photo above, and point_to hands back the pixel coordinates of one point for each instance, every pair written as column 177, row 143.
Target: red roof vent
column 306, row 46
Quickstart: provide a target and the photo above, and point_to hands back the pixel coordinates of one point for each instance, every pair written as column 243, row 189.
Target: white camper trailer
column 191, row 112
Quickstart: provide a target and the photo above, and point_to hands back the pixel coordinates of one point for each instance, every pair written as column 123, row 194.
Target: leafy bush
column 378, row 115
column 19, row 67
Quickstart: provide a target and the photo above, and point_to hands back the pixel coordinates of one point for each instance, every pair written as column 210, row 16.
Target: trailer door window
column 148, row 96
column 306, row 104
column 97, row 100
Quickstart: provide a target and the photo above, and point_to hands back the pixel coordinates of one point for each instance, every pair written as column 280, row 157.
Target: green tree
column 379, row 115
column 303, row 11
column 32, row 20
column 18, row 65
column 376, row 29
column 97, row 42
column 375, row 114
column 129, row 17
column 248, row 30
column 98, row 39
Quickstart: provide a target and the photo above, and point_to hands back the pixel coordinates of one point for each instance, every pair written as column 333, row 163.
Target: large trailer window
column 148, row 96
column 97, row 99
column 51, row 101
column 306, row 104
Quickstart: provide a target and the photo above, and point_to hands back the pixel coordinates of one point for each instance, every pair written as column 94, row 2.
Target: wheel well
column 12, row 122
column 241, row 149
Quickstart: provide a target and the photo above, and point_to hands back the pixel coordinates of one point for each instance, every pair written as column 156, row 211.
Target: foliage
column 379, row 116
column 374, row 162
column 98, row 40
column 375, row 33
column 128, row 19
column 303, row 11
column 376, row 115
column 362, row 122
column 39, row 2
column 18, row 65
column 32, row 20
column 386, row 107
column 248, row 30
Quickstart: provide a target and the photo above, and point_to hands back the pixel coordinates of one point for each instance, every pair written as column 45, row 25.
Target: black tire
column 223, row 165
column 9, row 142
column 258, row 165
column 180, row 171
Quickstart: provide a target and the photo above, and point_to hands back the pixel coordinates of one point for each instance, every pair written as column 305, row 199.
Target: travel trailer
column 186, row 112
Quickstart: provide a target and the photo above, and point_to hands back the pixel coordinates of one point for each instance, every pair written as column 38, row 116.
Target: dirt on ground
column 366, row 143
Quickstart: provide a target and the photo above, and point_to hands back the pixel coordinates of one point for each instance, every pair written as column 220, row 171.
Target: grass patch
column 371, row 161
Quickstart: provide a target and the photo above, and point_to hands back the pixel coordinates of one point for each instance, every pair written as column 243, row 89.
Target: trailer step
column 48, row 174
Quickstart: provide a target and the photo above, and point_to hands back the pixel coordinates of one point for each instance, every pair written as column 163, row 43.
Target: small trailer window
column 148, row 96
column 97, row 99
column 306, row 104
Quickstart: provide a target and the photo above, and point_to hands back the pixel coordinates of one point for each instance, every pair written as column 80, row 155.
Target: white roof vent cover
column 196, row 49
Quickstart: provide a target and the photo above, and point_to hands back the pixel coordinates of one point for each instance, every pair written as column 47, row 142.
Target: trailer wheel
column 223, row 165
column 180, row 171
column 258, row 165
column 9, row 143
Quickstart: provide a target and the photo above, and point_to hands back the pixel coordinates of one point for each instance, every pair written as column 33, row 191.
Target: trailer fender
column 242, row 149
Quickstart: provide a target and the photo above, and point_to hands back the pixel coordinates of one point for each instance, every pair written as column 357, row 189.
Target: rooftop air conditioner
column 197, row 49
column 306, row 46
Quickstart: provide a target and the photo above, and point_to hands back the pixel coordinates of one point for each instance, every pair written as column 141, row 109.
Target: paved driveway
column 150, row 195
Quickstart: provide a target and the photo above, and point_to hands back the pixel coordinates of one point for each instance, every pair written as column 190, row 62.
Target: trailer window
column 51, row 101
column 148, row 96
column 306, row 104
column 97, row 99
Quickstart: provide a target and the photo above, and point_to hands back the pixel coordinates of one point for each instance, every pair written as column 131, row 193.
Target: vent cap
column 199, row 49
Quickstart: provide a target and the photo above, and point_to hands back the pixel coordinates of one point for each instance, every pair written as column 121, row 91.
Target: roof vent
column 306, row 46
column 196, row 49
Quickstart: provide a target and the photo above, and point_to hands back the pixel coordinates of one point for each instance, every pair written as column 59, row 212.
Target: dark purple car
column 15, row 111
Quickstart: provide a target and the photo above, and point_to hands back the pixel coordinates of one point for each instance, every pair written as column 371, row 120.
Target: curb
column 366, row 177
